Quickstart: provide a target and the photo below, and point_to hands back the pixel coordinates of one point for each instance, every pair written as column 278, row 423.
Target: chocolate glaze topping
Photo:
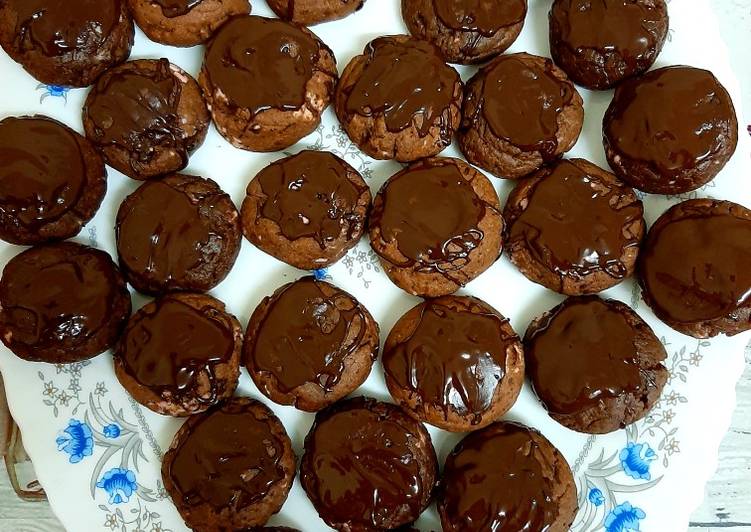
column 306, row 336
column 42, row 171
column 58, row 28
column 432, row 213
column 176, row 8
column 407, row 83
column 455, row 357
column 310, row 195
column 583, row 353
column 229, row 460
column 261, row 63
column 175, row 345
column 499, row 479
column 483, row 16
column 672, row 118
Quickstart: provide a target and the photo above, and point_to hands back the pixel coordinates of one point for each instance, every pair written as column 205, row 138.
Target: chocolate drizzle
column 176, row 8
column 486, row 17
column 260, row 63
column 42, row 171
column 407, row 83
column 306, row 335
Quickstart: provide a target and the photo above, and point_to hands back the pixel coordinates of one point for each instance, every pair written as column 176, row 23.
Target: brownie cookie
column 52, row 180
column 310, row 344
column 180, row 354
column 230, row 467
column 454, row 362
column 670, row 131
column 599, row 44
column 506, row 477
column 520, row 112
column 368, row 466
column 314, row 11
column 184, row 22
column 436, row 225
column 286, row 101
column 146, row 117
column 695, row 268
column 181, row 232
column 66, row 43
column 595, row 364
column 574, row 228
column 466, row 31
column 62, row 303
column 399, row 100
column 307, row 209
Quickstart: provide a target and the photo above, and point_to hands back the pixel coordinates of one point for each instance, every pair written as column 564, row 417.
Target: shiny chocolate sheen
column 406, row 82
column 175, row 345
column 306, row 336
column 576, row 224
column 42, row 171
column 486, row 17
column 499, row 479
column 260, row 63
column 176, row 8
column 583, row 353
column 671, row 119
column 309, row 195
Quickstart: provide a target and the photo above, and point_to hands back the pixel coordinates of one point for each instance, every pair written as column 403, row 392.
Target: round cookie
column 69, row 43
column 180, row 355
column 52, row 180
column 454, row 362
column 146, row 117
column 574, row 228
column 229, row 468
column 436, row 225
column 314, row 11
column 310, row 344
column 595, row 364
column 695, row 268
column 466, row 31
column 399, row 100
column 286, row 102
column 368, row 466
column 180, row 232
column 62, row 303
column 184, row 22
column 599, row 44
column 307, row 209
column 670, row 131
column 520, row 112
column 506, row 477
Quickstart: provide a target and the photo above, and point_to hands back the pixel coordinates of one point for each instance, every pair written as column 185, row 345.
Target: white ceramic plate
column 84, row 433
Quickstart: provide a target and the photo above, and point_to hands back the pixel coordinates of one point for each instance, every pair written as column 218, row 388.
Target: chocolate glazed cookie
column 178, row 233
column 184, row 22
column 466, row 31
column 454, row 362
column 595, row 364
column 286, row 101
column 574, row 228
column 399, row 100
column 146, row 117
column 229, row 468
column 436, row 225
column 506, row 477
column 599, row 44
column 180, row 354
column 52, row 180
column 695, row 268
column 66, row 43
column 670, row 131
column 520, row 112
column 368, row 466
column 307, row 209
column 314, row 11
column 62, row 303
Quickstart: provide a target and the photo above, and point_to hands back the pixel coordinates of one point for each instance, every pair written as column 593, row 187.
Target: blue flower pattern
column 635, row 460
column 55, row 91
column 119, row 484
column 624, row 518
column 319, row 274
column 76, row 441
column 596, row 497
column 111, row 431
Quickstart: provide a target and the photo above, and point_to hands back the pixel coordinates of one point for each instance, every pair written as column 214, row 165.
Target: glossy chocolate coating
column 176, row 8
column 483, row 16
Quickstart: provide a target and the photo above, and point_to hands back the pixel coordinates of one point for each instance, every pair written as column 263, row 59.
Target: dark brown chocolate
column 176, row 8
column 481, row 16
